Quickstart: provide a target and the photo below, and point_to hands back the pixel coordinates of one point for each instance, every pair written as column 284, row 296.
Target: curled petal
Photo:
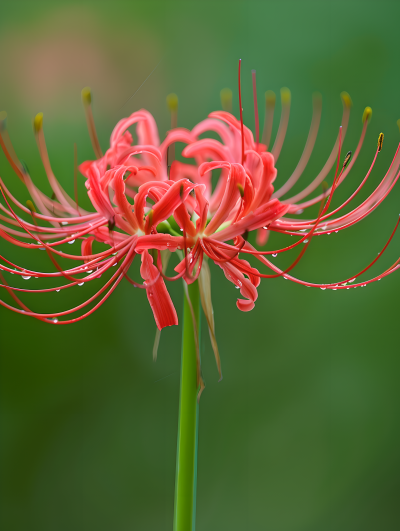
column 157, row 294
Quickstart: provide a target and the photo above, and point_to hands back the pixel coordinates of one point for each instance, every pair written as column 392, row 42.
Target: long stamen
column 305, row 157
column 241, row 111
column 87, row 105
column 76, row 177
column 172, row 102
column 270, row 99
column 280, row 136
column 257, row 126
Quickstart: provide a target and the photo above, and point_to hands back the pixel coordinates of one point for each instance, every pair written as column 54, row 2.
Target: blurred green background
column 303, row 432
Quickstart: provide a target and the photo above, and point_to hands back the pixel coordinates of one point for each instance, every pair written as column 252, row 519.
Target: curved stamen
column 269, row 117
column 305, row 157
column 280, row 136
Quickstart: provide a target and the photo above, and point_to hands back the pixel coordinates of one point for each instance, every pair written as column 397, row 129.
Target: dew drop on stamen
column 55, row 320
column 306, row 241
column 323, row 289
column 352, row 280
column 275, row 255
column 336, row 231
column 81, row 284
column 64, row 223
column 71, row 242
column 57, row 290
column 328, row 233
column 27, row 277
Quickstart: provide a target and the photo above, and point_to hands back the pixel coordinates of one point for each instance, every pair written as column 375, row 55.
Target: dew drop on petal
column 64, row 223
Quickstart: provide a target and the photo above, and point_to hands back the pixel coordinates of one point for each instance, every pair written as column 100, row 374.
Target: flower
column 146, row 203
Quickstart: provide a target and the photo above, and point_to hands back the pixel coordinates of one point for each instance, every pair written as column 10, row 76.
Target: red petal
column 157, row 294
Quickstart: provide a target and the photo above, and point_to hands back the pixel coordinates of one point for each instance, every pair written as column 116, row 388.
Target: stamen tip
column 38, row 122
column 380, row 141
column 270, row 97
column 346, row 99
column 241, row 189
column 285, row 96
column 367, row 115
column 31, row 206
column 172, row 102
column 86, row 96
column 226, row 99
column 347, row 159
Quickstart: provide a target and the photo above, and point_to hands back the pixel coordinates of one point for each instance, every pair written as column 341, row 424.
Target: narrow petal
column 157, row 294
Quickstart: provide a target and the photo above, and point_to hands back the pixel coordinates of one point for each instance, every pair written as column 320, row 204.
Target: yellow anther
column 226, row 99
column 3, row 120
column 270, row 97
column 38, row 122
column 398, row 123
column 31, row 206
column 347, row 159
column 367, row 115
column 241, row 189
column 86, row 96
column 380, row 141
column 346, row 99
column 285, row 96
column 325, row 186
column 172, row 102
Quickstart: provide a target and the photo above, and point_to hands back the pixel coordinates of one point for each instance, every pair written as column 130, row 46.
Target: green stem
column 186, row 459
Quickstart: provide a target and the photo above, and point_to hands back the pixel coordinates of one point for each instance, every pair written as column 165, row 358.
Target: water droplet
column 352, row 280
column 114, row 254
column 64, row 223
column 306, row 241
column 303, row 230
column 300, row 211
column 275, row 255
column 325, row 227
column 347, row 288
column 71, row 242
column 285, row 278
column 88, row 272
column 328, row 233
column 81, row 284
column 336, row 231
column 237, row 287
column 334, row 289
column 116, row 263
column 323, row 289
column 57, row 290
column 181, row 230
column 27, row 277
column 55, row 320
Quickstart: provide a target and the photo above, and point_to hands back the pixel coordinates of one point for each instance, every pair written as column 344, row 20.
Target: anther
column 38, row 122
column 172, row 102
column 346, row 99
column 285, row 96
column 367, row 115
column 347, row 159
column 270, row 98
column 241, row 189
column 181, row 191
column 380, row 141
column 86, row 96
column 226, row 99
column 31, row 206
column 111, row 224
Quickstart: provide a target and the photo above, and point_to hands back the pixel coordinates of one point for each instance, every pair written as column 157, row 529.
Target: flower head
column 146, row 203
